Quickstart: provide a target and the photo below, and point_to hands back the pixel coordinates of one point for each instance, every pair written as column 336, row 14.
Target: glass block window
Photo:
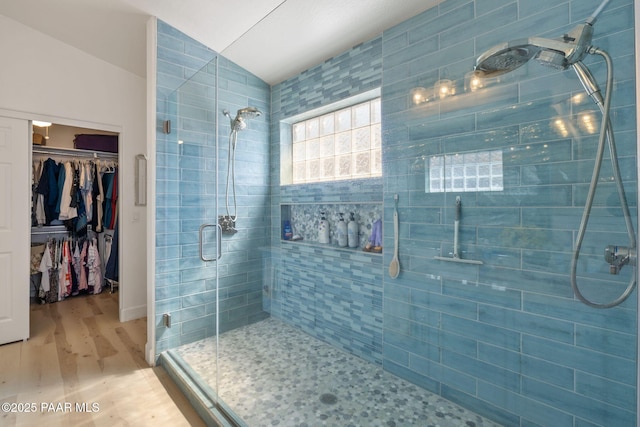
column 343, row 144
column 479, row 171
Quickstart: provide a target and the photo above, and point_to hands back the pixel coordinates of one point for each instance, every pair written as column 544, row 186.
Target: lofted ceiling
column 273, row 39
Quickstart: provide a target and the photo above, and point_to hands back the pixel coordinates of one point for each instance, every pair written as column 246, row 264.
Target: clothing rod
column 54, row 229
column 75, row 153
column 39, row 232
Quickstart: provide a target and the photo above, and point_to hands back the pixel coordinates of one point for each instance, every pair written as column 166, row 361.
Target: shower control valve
column 618, row 256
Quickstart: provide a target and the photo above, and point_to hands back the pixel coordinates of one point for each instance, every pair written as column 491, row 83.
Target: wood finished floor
column 80, row 354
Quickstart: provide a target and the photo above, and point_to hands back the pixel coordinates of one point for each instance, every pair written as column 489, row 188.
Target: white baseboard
column 149, row 351
column 133, row 313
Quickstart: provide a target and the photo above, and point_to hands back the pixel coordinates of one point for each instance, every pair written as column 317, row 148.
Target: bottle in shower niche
column 323, row 229
column 342, row 231
column 352, row 232
column 287, row 231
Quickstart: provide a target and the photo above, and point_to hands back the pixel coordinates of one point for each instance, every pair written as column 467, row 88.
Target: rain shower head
column 249, row 113
column 243, row 114
column 556, row 53
column 504, row 58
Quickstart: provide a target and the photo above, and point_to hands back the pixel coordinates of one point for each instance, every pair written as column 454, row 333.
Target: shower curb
column 200, row 395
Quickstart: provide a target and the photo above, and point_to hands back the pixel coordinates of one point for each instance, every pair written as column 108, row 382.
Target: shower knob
column 618, row 256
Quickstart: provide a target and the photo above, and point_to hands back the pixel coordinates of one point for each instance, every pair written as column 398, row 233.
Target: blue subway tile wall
column 507, row 338
column 330, row 293
column 191, row 79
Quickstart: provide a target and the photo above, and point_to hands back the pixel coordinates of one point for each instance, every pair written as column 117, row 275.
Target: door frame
column 121, row 188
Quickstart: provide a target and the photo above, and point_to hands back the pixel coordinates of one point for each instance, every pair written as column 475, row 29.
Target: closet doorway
column 74, row 215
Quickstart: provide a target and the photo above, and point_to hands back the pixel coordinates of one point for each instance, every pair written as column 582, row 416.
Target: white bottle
column 352, row 232
column 323, row 230
column 342, row 231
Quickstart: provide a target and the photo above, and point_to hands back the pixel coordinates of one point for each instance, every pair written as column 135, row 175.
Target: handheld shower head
column 556, row 53
column 243, row 114
column 504, row 58
column 560, row 53
column 249, row 113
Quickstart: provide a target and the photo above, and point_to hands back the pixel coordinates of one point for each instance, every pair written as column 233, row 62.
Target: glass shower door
column 198, row 236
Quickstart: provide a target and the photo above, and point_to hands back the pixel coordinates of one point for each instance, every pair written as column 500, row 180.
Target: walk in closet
column 74, row 213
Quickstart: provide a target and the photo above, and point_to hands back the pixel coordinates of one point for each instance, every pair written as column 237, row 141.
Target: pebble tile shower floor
column 275, row 375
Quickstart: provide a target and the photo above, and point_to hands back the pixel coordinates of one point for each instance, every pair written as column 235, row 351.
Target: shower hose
column 231, row 173
column 606, row 134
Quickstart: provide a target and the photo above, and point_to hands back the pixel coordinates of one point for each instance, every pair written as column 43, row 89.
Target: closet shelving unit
column 73, row 152
column 42, row 150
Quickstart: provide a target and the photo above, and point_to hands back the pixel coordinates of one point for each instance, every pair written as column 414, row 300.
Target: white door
column 15, row 172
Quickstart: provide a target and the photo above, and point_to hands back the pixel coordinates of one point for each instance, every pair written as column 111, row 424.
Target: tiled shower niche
column 305, row 219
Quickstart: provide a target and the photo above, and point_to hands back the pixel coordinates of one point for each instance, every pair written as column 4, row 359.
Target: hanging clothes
column 94, row 267
column 77, row 193
column 107, row 185
column 82, row 194
column 46, row 264
column 77, row 266
column 61, row 179
column 69, row 267
column 95, row 192
column 48, row 188
column 86, row 188
column 83, row 283
column 106, row 240
column 111, row 271
column 99, row 205
column 37, row 211
column 65, row 270
column 114, row 201
column 51, row 286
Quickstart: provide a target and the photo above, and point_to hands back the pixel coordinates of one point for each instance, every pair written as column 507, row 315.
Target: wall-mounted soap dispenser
column 352, row 232
column 323, row 229
column 342, row 231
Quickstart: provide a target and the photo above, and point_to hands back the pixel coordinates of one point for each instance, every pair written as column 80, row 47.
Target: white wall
column 43, row 78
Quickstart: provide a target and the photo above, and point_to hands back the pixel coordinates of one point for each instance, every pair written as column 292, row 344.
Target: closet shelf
column 49, row 229
column 74, row 152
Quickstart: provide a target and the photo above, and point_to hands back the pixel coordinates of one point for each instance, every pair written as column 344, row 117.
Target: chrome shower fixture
column 557, row 53
column 240, row 121
column 228, row 222
column 568, row 51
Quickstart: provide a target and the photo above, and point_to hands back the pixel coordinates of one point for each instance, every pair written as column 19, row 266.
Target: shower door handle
column 218, row 240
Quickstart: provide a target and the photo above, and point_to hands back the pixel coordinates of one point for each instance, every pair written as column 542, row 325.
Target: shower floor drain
column 328, row 399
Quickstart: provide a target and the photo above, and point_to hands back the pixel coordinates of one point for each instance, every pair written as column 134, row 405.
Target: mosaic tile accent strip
column 353, row 72
column 274, row 375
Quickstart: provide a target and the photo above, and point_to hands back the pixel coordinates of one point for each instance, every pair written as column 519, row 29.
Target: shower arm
column 606, row 133
column 594, row 16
